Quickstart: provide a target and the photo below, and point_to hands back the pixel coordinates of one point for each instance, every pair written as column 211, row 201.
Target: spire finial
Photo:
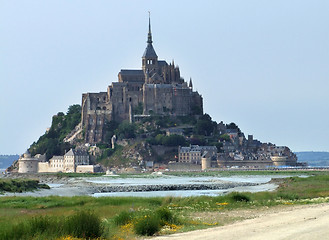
column 149, row 36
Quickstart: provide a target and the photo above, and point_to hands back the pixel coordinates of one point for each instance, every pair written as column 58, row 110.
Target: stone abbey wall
column 157, row 87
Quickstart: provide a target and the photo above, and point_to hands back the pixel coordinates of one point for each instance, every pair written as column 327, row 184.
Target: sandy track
column 299, row 222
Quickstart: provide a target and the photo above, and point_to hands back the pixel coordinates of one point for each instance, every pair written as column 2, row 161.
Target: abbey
column 157, row 88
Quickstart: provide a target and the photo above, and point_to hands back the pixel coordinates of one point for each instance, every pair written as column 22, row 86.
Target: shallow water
column 84, row 186
column 55, row 185
column 166, row 179
column 190, row 193
column 163, row 180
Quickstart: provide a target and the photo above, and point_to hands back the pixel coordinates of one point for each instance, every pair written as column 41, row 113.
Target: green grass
column 311, row 187
column 82, row 224
column 20, row 185
column 79, row 174
column 124, row 217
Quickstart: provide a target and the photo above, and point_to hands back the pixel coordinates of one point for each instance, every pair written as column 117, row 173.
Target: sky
column 261, row 64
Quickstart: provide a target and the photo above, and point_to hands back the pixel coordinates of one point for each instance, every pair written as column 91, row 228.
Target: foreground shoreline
column 301, row 222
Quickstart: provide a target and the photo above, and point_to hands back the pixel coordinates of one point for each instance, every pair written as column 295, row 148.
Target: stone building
column 157, row 88
column 55, row 164
column 195, row 153
column 27, row 163
column 75, row 160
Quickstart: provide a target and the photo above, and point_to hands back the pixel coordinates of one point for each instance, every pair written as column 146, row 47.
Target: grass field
column 130, row 217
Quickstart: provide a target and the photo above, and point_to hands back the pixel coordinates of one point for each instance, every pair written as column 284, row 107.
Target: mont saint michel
column 190, row 123
column 151, row 118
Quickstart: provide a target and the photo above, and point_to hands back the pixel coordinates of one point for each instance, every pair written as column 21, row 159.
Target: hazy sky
column 261, row 64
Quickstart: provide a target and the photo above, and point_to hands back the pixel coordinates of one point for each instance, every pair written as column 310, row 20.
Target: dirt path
column 298, row 222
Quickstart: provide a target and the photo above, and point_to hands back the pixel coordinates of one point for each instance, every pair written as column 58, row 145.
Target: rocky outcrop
column 171, row 187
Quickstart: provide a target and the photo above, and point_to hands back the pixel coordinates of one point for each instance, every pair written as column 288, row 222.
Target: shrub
column 20, row 185
column 147, row 225
column 240, row 197
column 84, row 224
column 32, row 228
column 288, row 196
column 165, row 215
column 13, row 231
column 40, row 224
column 123, row 218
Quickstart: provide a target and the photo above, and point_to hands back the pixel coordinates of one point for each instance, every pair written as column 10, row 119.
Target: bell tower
column 149, row 58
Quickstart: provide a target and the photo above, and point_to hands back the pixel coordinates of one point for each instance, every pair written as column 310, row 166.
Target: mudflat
column 303, row 222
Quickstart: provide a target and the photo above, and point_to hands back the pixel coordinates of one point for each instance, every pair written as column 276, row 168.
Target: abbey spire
column 149, row 58
column 149, row 36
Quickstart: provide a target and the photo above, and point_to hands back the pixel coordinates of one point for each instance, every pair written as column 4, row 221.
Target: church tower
column 149, row 58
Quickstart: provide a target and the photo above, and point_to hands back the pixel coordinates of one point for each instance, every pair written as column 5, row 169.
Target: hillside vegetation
column 140, row 136
column 51, row 143
column 144, row 135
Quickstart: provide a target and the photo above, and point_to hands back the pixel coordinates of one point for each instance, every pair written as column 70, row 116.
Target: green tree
column 232, row 125
column 159, row 139
column 51, row 143
column 110, row 127
column 126, row 130
column 205, row 126
column 225, row 137
column 174, row 140
column 138, row 109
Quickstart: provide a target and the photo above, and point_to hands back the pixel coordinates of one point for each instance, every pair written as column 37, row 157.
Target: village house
column 195, row 153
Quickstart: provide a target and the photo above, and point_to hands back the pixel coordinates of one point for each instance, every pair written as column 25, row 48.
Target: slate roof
column 162, row 63
column 131, row 72
column 57, row 158
column 149, row 52
column 75, row 152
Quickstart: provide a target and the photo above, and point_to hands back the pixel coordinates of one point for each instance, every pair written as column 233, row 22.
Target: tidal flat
column 152, row 185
